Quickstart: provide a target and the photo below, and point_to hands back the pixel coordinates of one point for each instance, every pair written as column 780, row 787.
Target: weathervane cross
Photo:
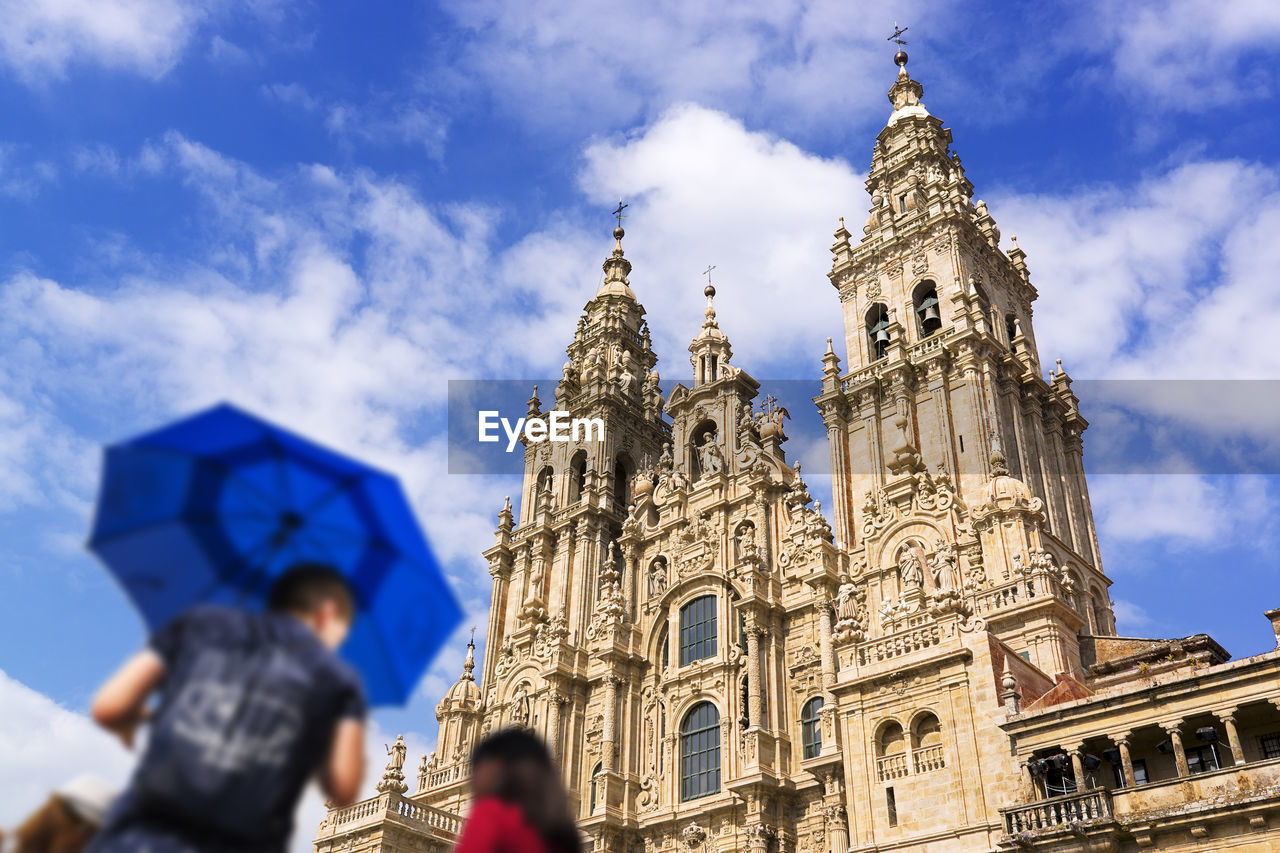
column 618, row 213
column 897, row 34
column 707, row 272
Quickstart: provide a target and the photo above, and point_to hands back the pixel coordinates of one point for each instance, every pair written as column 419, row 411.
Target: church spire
column 710, row 348
column 616, row 266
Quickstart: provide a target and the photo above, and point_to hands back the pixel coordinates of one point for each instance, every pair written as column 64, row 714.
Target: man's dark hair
column 529, row 779
column 305, row 586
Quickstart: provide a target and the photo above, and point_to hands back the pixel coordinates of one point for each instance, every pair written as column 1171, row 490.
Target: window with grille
column 700, row 752
column 1271, row 746
column 698, row 629
column 810, row 730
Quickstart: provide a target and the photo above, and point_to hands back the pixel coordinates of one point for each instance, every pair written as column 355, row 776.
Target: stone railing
column 891, row 766
column 901, row 643
column 1036, row 585
column 447, row 775
column 918, row 352
column 928, row 758
column 430, row 821
column 1058, row 812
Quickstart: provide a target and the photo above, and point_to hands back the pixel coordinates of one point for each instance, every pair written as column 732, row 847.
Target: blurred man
column 251, row 705
column 67, row 821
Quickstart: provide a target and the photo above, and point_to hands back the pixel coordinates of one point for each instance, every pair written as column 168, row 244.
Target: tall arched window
column 622, row 471
column 891, row 752
column 700, row 752
column 595, row 776
column 664, row 645
column 927, row 308
column 577, row 476
column 810, row 728
column 877, row 331
column 546, row 482
column 1100, row 622
column 698, row 629
column 926, row 743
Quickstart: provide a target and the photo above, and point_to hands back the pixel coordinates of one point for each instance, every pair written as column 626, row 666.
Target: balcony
column 928, row 759
column 385, row 810
column 892, row 766
column 1063, row 812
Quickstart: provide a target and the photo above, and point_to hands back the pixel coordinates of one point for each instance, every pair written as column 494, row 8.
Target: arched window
column 1100, row 623
column 700, row 752
column 810, row 727
column 622, row 471
column 877, row 331
column 698, row 629
column 595, row 776
column 927, row 308
column 891, row 751
column 926, row 743
column 546, row 482
column 664, row 645
column 578, row 476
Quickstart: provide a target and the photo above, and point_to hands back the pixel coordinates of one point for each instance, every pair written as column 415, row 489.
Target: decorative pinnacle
column 469, row 665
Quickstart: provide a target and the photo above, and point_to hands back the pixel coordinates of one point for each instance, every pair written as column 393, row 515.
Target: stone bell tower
column 944, row 384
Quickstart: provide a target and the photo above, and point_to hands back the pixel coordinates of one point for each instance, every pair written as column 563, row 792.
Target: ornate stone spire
column 616, row 269
column 469, row 665
column 709, row 350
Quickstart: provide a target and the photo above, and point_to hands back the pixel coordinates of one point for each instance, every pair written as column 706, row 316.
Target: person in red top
column 520, row 802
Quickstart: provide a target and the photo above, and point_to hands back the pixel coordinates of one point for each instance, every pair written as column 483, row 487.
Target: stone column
column 1029, row 779
column 554, row 701
column 1228, row 718
column 1174, row 731
column 609, row 737
column 1126, row 758
column 1077, row 765
column 754, row 709
column 837, row 829
column 825, row 647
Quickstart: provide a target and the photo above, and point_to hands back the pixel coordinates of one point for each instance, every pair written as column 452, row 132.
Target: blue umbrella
column 213, row 508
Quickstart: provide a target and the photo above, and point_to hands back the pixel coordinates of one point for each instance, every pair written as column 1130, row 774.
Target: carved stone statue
column 657, row 577
column 909, row 568
column 397, row 752
column 846, row 600
column 710, row 459
column 943, row 567
column 666, row 462
column 520, row 707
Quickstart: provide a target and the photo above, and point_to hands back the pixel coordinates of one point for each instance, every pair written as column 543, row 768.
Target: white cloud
column 704, row 190
column 1178, row 511
column 45, row 746
column 1189, row 54
column 608, row 65
column 42, row 38
column 1131, row 619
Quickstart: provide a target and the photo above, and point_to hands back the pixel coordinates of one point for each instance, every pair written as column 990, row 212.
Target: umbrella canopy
column 213, row 508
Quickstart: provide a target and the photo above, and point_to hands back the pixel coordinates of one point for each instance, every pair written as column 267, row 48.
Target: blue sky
column 324, row 211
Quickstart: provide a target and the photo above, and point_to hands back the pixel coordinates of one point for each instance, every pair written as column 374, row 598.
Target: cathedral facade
column 717, row 667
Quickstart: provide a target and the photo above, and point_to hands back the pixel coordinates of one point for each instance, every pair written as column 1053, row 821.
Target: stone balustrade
column 928, row 759
column 447, row 775
column 901, row 643
column 1058, row 812
column 374, row 811
column 892, row 766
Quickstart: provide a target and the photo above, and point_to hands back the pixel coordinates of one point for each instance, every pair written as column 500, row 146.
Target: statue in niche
column 657, row 577
column 710, row 459
column 909, row 568
column 520, row 706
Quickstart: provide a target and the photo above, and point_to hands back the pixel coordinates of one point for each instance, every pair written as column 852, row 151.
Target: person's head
column 514, row 765
column 319, row 596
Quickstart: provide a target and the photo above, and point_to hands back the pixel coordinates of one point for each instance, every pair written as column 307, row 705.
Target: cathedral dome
column 1003, row 489
column 464, row 691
